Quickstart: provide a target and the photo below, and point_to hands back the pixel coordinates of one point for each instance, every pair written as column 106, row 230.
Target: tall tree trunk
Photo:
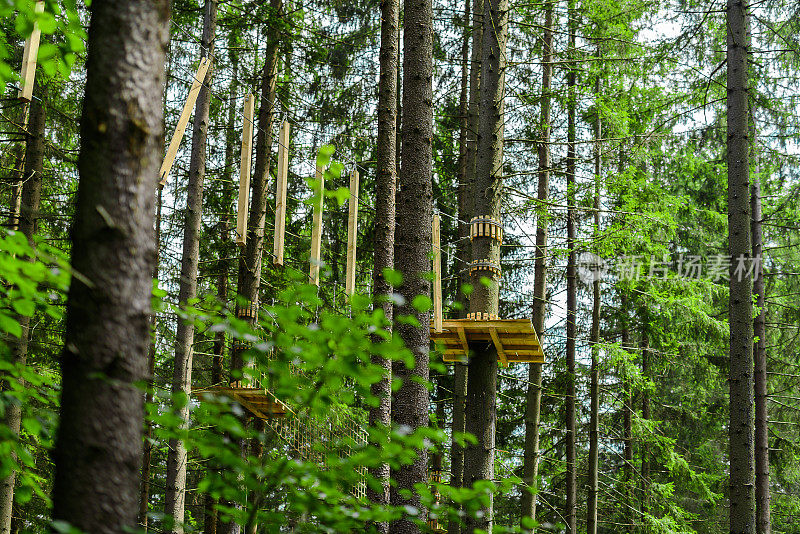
column 250, row 262
column 530, row 468
column 644, row 346
column 149, row 446
column 177, row 457
column 413, row 245
column 385, row 189
column 30, row 200
column 627, row 423
column 571, row 476
column 481, row 417
column 763, row 519
column 210, row 515
column 594, row 339
column 107, row 324
column 15, row 203
column 740, row 308
column 224, row 264
column 147, row 455
column 468, row 121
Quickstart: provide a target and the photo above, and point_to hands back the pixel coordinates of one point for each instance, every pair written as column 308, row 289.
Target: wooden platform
column 258, row 401
column 514, row 339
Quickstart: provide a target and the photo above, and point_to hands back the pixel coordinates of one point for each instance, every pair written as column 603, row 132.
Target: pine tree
column 741, row 429
column 763, row 513
column 30, row 199
column 571, row 477
column 481, row 416
column 385, row 185
column 533, row 399
column 177, row 458
column 413, row 246
column 99, row 445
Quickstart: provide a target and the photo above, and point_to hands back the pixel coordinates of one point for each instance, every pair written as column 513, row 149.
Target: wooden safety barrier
column 244, row 172
column 280, row 194
column 352, row 234
column 183, row 120
column 27, row 73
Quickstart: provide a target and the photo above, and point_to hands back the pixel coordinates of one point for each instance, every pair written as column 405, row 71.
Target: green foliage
column 35, row 281
column 63, row 36
column 319, row 363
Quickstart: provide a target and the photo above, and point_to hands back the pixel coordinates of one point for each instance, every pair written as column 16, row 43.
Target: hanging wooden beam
column 501, row 351
column 352, row 234
column 27, row 73
column 244, row 172
column 183, row 120
column 316, row 231
column 437, row 274
column 280, row 194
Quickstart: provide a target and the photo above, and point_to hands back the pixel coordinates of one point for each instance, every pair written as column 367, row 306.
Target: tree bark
column 147, row 455
column 470, row 87
column 571, row 476
column 481, row 417
column 149, row 447
column 740, row 307
column 177, row 457
column 763, row 518
column 594, row 338
column 627, row 424
column 385, row 190
column 413, row 246
column 250, row 262
column 530, row 468
column 644, row 346
column 15, row 204
column 107, row 323
column 30, row 200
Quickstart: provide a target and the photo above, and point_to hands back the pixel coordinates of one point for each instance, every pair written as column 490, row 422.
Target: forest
column 478, row 266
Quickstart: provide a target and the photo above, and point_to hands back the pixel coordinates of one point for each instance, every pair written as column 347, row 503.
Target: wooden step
column 514, row 339
column 258, row 401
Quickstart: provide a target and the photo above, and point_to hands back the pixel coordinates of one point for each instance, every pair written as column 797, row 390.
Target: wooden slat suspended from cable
column 437, row 274
column 244, row 172
column 27, row 73
column 352, row 234
column 280, row 194
column 316, row 231
column 183, row 120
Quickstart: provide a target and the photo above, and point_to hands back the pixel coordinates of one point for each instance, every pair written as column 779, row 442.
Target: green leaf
column 32, row 426
column 394, row 278
column 24, row 307
column 23, row 494
column 324, row 155
column 341, row 195
column 422, row 303
column 9, row 325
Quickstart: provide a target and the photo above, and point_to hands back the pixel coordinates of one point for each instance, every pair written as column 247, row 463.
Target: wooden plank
column 27, row 73
column 464, row 343
column 501, row 353
column 504, row 328
column 437, row 274
column 244, row 172
column 352, row 234
column 316, row 230
column 451, row 357
column 183, row 120
column 280, row 194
